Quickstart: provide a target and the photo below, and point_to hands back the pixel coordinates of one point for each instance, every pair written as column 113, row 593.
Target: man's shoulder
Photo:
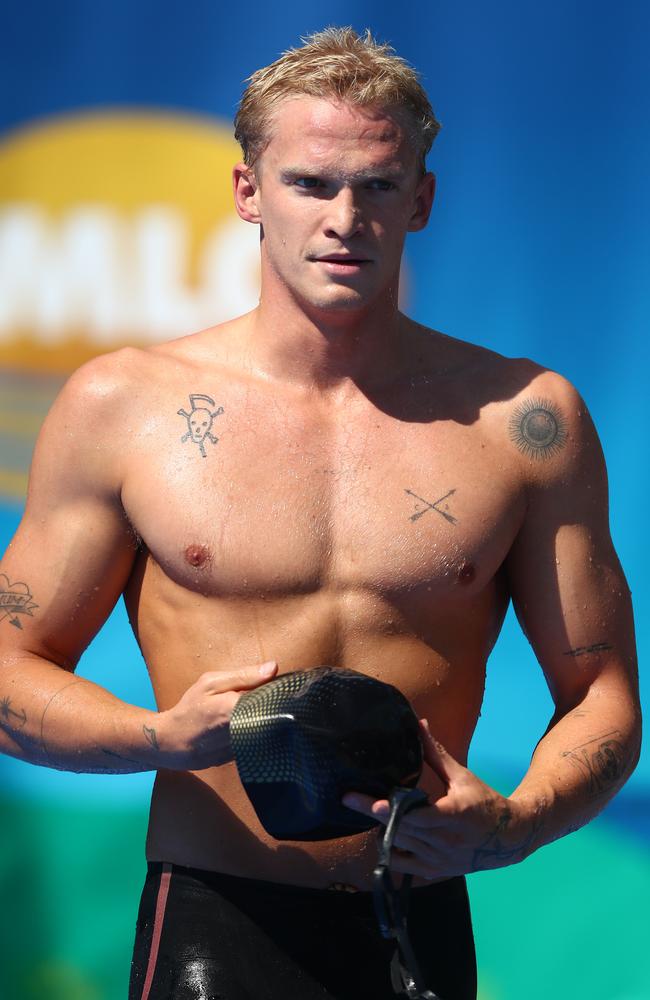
column 102, row 400
column 500, row 379
column 523, row 379
column 131, row 375
column 113, row 392
column 100, row 388
column 542, row 419
column 534, row 417
column 109, row 373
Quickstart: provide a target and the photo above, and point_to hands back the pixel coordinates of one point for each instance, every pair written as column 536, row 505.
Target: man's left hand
column 470, row 828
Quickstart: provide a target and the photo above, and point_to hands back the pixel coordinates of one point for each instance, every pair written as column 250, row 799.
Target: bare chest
column 233, row 502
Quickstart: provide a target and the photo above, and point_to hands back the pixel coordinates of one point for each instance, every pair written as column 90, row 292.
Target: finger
column 414, row 822
column 438, row 758
column 219, row 681
column 426, row 817
column 423, row 849
column 375, row 808
column 410, row 864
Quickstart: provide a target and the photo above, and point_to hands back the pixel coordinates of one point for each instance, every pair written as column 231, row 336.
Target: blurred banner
column 117, row 227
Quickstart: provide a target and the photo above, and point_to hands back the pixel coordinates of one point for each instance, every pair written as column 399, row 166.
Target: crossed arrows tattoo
column 419, row 512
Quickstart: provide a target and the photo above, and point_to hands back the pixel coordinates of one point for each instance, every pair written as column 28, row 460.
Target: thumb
column 241, row 679
column 251, row 677
column 438, row 758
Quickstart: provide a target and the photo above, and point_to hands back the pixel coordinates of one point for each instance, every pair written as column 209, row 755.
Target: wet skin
column 322, row 481
column 296, row 539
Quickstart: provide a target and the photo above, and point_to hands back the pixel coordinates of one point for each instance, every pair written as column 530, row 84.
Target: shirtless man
column 319, row 481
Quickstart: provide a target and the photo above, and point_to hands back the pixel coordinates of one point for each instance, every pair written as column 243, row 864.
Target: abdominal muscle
column 204, row 819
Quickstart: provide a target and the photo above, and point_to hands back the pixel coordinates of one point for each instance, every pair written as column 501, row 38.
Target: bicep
column 63, row 577
column 73, row 551
column 568, row 588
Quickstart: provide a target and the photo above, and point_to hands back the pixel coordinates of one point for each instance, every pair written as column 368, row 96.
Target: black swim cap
column 305, row 738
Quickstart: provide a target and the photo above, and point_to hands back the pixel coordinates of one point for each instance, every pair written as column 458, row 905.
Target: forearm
column 584, row 758
column 50, row 717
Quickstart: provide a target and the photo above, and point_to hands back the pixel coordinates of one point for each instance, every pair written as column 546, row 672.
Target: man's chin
column 339, row 301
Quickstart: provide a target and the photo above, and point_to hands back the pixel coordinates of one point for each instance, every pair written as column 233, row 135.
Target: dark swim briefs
column 206, row 936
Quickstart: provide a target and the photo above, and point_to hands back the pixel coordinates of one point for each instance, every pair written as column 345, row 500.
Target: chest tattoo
column 199, row 421
column 436, row 505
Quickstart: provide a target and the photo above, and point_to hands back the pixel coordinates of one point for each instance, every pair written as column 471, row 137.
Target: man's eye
column 379, row 185
column 307, row 182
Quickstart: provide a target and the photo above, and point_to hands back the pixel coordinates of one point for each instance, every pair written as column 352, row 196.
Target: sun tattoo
column 537, row 428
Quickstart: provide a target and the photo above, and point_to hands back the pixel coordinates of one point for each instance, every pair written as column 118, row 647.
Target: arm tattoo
column 150, row 736
column 602, row 761
column 598, row 647
column 420, row 512
column 15, row 599
column 494, row 850
column 13, row 719
column 199, row 421
column 537, row 428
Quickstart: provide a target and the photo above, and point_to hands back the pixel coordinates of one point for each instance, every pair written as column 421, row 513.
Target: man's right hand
column 194, row 734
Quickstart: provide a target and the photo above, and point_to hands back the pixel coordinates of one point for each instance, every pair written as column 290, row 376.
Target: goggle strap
column 391, row 903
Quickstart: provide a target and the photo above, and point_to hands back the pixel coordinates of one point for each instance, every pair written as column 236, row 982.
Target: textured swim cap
column 305, row 738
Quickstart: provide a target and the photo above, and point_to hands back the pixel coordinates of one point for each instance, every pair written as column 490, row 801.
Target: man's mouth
column 341, row 262
column 342, row 258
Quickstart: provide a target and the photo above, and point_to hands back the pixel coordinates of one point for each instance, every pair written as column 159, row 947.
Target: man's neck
column 320, row 350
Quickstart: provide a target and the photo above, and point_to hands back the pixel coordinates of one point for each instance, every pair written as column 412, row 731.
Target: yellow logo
column 117, row 229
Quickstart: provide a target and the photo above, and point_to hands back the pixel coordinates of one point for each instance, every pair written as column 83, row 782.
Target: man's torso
column 363, row 529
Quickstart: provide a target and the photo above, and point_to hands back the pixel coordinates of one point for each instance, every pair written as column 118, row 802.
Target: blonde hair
column 338, row 63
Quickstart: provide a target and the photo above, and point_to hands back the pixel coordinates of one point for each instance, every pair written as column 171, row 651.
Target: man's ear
column 246, row 191
column 424, row 196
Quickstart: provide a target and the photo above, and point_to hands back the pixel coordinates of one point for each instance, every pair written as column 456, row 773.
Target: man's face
column 336, row 190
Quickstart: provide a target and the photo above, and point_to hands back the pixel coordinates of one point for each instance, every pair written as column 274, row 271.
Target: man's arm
column 60, row 578
column 573, row 603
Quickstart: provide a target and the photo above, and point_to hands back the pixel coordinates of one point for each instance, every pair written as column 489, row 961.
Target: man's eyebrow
column 393, row 173
column 291, row 172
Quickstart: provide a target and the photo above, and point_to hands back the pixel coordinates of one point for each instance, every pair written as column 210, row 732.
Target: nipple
column 197, row 555
column 466, row 573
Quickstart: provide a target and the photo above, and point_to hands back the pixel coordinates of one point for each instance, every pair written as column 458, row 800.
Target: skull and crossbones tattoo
column 199, row 421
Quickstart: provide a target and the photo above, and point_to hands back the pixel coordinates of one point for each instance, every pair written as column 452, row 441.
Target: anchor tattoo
column 6, row 711
column 432, row 506
column 199, row 421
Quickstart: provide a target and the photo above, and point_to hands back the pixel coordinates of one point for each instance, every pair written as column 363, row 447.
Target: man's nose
column 343, row 218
